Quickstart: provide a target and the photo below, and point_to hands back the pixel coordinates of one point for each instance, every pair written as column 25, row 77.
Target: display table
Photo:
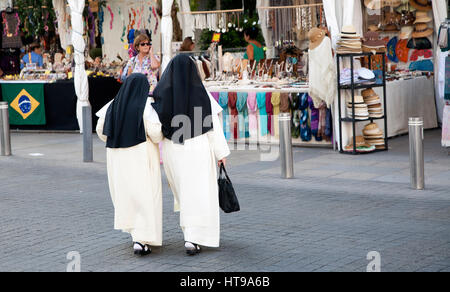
column 61, row 101
column 409, row 98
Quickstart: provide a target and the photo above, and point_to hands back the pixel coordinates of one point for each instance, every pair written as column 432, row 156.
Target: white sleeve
column 99, row 129
column 217, row 139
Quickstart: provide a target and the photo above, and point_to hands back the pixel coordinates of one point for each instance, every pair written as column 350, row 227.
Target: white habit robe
column 191, row 171
column 134, row 176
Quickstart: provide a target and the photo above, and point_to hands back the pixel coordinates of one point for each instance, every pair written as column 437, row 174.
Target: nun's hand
column 223, row 161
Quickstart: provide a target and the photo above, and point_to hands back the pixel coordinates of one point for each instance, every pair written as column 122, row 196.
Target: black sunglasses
column 145, row 44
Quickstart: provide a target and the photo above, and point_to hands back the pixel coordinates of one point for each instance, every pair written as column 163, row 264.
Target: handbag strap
column 223, row 170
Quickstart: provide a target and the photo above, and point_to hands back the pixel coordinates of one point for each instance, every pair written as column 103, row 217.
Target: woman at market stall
column 33, row 57
column 188, row 45
column 193, row 141
column 131, row 128
column 145, row 62
column 255, row 51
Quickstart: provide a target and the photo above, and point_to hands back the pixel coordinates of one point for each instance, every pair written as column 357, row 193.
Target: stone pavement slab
column 335, row 211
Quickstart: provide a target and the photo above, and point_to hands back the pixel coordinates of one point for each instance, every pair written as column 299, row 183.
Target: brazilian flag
column 26, row 103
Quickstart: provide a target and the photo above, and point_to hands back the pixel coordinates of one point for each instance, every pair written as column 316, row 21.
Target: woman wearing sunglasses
column 145, row 62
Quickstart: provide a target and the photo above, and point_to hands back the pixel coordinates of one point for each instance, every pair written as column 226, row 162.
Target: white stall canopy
column 80, row 77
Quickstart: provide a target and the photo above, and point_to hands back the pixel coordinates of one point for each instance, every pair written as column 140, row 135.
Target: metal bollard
column 417, row 162
column 287, row 163
column 5, row 135
column 88, row 155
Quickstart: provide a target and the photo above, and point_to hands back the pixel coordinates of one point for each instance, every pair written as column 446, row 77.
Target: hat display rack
column 291, row 20
column 220, row 21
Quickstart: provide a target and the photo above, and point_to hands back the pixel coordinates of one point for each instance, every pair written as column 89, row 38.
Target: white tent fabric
column 186, row 20
column 80, row 77
column 267, row 33
column 440, row 14
column 4, row 4
column 329, row 7
column 63, row 23
column 352, row 14
column 166, row 33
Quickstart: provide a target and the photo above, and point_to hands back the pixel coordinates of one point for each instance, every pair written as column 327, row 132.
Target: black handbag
column 227, row 197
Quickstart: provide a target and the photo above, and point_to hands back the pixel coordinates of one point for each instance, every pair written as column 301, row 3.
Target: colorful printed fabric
column 232, row 99
column 252, row 106
column 241, row 106
column 424, row 65
column 261, row 101
column 391, row 50
column 402, row 51
column 427, row 54
column 305, row 130
column 296, row 114
column 145, row 68
column 314, row 120
column 223, row 102
column 215, row 95
column 269, row 109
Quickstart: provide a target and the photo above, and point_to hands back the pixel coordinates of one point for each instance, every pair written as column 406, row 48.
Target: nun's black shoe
column 141, row 249
column 192, row 248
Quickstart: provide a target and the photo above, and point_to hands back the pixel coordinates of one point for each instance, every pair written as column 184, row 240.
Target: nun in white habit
column 194, row 140
column 131, row 128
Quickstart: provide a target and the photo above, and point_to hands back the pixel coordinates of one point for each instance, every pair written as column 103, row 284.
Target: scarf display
column 285, row 103
column 261, row 100
column 232, row 99
column 296, row 116
column 215, row 95
column 322, row 122
column 276, row 99
column 252, row 109
column 223, row 102
column 124, row 122
column 314, row 120
column 180, row 93
column 305, row 130
column 269, row 110
column 241, row 106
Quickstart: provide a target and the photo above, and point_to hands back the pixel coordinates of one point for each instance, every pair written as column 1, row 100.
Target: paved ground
column 336, row 210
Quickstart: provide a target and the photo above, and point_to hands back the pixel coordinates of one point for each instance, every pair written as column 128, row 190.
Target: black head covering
column 177, row 94
column 124, row 123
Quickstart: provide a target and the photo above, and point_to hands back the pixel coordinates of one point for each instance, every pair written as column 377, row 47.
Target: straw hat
column 374, row 4
column 316, row 36
column 422, row 30
column 349, row 31
column 373, row 27
column 422, row 17
column 358, row 100
column 422, row 5
column 372, row 39
column 360, row 142
column 392, row 3
column 372, row 130
column 406, row 32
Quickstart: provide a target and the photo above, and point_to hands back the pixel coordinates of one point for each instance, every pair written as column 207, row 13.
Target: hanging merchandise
column 112, row 17
column 124, row 27
column 156, row 18
column 11, row 25
column 91, row 27
column 101, row 17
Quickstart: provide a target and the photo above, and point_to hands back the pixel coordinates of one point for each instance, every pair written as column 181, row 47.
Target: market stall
column 58, row 101
column 67, row 46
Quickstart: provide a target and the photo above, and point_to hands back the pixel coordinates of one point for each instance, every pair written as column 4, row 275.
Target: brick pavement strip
column 55, row 204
